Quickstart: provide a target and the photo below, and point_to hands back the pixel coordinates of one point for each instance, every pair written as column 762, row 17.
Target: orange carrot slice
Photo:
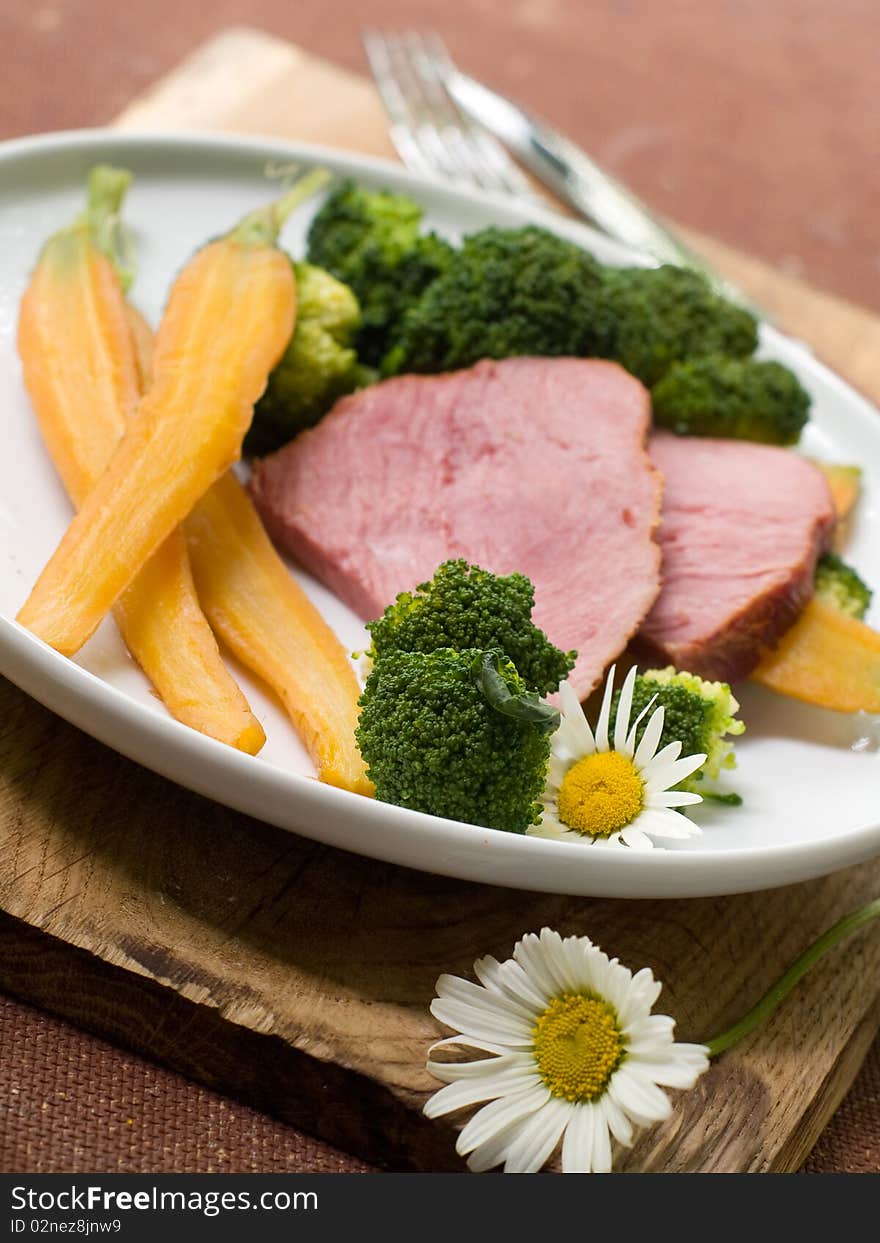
column 827, row 659
column 263, row 615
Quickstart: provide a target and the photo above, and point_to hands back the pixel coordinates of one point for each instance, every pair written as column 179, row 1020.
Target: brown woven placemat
column 71, row 1103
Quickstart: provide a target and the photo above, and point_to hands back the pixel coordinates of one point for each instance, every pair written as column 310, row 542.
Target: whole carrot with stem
column 80, row 369
column 229, row 317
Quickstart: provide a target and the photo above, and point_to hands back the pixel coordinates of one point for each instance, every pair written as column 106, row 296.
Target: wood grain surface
column 298, row 977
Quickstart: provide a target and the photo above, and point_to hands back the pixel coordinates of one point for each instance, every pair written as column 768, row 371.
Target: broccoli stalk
column 740, row 398
column 318, row 365
column 700, row 715
column 839, row 585
column 464, row 606
column 370, row 239
column 455, row 734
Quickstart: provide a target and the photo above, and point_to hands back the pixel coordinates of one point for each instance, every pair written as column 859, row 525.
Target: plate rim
column 221, row 773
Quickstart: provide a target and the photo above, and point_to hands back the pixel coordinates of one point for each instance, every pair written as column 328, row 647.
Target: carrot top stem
column 262, row 227
column 106, row 188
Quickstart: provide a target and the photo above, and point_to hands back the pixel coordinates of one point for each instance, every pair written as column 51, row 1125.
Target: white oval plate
column 811, row 799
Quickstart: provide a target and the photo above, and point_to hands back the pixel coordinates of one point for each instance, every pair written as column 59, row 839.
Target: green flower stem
column 799, row 968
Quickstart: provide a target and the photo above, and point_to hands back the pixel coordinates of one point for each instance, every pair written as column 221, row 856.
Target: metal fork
column 437, row 138
column 432, row 135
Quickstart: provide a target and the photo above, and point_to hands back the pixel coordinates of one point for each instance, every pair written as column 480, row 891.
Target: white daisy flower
column 607, row 789
column 575, row 1056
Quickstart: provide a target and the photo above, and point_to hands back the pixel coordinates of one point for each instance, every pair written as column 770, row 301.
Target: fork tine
column 430, row 132
column 443, row 110
column 498, row 170
column 401, row 128
column 414, row 132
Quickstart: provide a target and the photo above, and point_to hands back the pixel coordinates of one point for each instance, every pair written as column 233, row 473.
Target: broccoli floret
column 465, row 607
column 739, row 398
column 318, row 365
column 370, row 239
column 434, row 742
column 506, row 292
column 700, row 715
column 840, row 586
column 667, row 314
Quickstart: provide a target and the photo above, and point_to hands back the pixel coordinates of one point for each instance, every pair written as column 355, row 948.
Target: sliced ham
column 536, row 465
column 743, row 525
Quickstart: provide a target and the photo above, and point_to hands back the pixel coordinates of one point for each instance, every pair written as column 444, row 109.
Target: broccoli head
column 370, row 239
column 318, row 365
column 438, row 738
column 700, row 715
column 506, row 292
column 667, row 314
column 466, row 607
column 740, row 398
column 839, row 585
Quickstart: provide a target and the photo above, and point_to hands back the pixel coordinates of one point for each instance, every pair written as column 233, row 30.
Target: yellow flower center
column 600, row 794
column 577, row 1046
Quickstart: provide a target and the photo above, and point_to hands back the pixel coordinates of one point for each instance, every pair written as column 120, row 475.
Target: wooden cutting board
column 298, row 977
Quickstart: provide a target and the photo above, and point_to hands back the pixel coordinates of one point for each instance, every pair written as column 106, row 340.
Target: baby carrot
column 265, row 618
column 229, row 317
column 79, row 363
column 262, row 614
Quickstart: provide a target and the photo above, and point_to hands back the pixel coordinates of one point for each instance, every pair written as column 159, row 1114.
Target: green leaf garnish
column 526, row 706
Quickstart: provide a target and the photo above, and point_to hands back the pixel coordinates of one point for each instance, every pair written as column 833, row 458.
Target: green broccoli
column 456, row 734
column 667, row 314
column 839, row 585
column 318, row 365
column 700, row 715
column 506, row 292
column 466, row 607
column 740, row 398
column 370, row 239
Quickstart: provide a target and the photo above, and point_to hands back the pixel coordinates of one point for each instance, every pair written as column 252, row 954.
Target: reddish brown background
column 754, row 120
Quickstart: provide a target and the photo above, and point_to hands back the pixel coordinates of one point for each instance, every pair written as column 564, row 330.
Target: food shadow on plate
column 772, row 716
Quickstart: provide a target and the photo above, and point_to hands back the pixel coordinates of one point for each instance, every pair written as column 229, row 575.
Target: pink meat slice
column 536, row 465
column 743, row 525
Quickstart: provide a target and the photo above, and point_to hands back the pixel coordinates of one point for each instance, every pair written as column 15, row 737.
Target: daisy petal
column 670, row 773
column 577, row 733
column 634, row 728
column 470, row 1042
column 494, row 977
column 537, row 1138
column 493, row 1152
column 635, row 838
column 484, row 1025
column 577, row 1143
column 531, row 953
column 498, row 1115
column 640, row 1098
column 663, row 822
column 601, row 1142
column 650, row 738
column 618, row 1123
column 509, row 979
column 671, row 751
column 486, row 1087
column 671, row 1074
column 605, row 712
column 624, row 708
column 651, row 1029
column 675, row 798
